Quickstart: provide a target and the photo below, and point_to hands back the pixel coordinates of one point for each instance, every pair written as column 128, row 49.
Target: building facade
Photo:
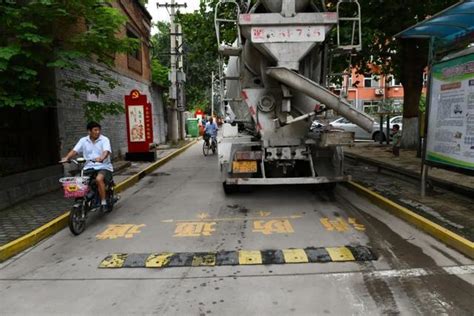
column 373, row 93
column 33, row 142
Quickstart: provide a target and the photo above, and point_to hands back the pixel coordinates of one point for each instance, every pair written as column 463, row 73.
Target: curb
column 446, row 236
column 455, row 187
column 18, row 245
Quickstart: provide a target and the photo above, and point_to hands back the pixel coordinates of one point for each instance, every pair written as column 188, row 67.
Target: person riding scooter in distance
column 96, row 149
column 211, row 129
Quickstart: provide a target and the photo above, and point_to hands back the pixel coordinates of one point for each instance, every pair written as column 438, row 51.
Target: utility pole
column 175, row 76
column 212, row 94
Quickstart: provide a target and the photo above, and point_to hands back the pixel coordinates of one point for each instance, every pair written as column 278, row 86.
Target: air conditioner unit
column 379, row 92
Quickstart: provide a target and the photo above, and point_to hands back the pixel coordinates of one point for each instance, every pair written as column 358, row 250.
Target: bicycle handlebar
column 79, row 162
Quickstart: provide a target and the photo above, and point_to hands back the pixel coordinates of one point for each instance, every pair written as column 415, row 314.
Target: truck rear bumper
column 280, row 181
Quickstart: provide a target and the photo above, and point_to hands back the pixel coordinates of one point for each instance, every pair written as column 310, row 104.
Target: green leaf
column 7, row 52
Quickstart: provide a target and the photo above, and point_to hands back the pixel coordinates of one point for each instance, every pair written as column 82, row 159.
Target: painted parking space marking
column 241, row 257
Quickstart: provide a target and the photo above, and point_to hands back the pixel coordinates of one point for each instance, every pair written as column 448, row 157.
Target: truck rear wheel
column 230, row 188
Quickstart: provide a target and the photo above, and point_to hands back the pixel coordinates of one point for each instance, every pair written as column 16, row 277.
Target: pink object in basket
column 76, row 187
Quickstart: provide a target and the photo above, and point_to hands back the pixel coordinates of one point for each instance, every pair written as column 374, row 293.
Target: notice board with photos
column 450, row 136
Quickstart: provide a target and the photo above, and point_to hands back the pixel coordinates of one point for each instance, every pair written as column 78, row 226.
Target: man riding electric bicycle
column 96, row 150
column 210, row 133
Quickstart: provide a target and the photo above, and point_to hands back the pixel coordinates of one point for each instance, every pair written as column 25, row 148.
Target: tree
column 160, row 54
column 38, row 36
column 201, row 55
column 406, row 59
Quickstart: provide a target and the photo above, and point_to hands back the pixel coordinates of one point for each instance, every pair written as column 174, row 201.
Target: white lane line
column 404, row 273
column 412, row 273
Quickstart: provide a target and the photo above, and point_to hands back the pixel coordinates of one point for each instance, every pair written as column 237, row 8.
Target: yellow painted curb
column 18, row 245
column 437, row 231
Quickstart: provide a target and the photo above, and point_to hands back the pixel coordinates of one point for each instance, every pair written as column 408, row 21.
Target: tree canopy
column 39, row 36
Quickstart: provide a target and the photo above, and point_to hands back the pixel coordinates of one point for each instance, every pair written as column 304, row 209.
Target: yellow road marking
column 295, row 256
column 203, row 215
column 340, row 254
column 113, row 261
column 204, row 260
column 194, row 229
column 115, row 231
column 340, row 224
column 158, row 260
column 273, row 226
column 265, row 214
column 357, row 226
column 231, row 219
column 250, row 257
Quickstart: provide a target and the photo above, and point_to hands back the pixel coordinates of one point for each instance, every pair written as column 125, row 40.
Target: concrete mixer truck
column 273, row 79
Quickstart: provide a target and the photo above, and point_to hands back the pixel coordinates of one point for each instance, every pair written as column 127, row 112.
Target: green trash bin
column 193, row 127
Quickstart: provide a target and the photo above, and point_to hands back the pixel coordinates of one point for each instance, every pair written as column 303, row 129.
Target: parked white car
column 375, row 135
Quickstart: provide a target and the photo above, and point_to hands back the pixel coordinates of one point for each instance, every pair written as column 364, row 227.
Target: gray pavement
column 26, row 216
column 449, row 209
column 413, row 275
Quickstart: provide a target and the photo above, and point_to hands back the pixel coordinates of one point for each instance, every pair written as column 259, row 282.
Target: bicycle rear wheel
column 77, row 220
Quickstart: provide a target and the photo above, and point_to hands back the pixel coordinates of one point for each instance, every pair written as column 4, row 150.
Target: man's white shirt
column 92, row 151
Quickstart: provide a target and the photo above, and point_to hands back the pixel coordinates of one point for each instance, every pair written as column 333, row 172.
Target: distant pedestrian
column 396, row 138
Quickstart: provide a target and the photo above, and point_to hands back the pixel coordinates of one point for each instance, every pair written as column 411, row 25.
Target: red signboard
column 139, row 122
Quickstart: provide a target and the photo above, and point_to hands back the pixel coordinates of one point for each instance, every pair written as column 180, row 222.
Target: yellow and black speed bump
column 242, row 257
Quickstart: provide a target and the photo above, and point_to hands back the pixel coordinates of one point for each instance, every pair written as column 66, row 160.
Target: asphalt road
column 182, row 208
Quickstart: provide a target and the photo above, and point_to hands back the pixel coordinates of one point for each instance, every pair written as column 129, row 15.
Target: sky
column 162, row 14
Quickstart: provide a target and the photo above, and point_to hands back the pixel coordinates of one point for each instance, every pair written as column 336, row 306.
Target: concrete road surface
column 414, row 274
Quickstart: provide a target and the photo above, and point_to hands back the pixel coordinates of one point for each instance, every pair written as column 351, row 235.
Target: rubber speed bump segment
column 295, row 256
column 158, row 260
column 115, row 261
column 340, row 254
column 242, row 257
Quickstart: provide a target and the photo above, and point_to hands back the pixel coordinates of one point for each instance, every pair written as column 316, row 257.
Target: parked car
column 317, row 125
column 374, row 135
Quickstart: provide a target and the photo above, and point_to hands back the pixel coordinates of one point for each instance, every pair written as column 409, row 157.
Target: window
column 371, row 107
column 393, row 82
column 371, row 81
column 134, row 58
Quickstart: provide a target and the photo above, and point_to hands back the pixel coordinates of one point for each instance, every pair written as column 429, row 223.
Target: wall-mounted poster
column 450, row 138
column 136, row 114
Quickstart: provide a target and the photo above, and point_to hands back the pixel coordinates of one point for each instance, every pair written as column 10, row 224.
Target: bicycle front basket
column 75, row 187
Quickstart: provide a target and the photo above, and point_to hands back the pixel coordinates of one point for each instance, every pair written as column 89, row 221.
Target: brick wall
column 71, row 121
